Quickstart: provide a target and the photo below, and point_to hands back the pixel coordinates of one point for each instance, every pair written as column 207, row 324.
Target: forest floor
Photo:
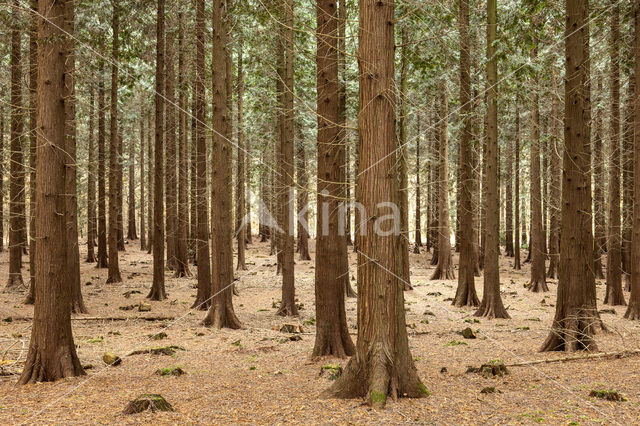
column 259, row 375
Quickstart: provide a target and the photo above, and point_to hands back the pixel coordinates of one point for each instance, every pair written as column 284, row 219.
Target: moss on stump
column 148, row 401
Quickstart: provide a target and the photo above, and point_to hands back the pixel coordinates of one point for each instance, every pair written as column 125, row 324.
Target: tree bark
column 382, row 364
column 516, row 208
column 614, row 295
column 132, row 233
column 418, row 171
column 573, row 325
column 52, row 354
column 150, row 186
column 556, row 176
column 143, row 228
column 170, row 181
column 303, row 200
column 599, row 180
column 91, row 184
column 33, row 99
column 102, row 202
column 241, row 204
column 627, row 182
column 491, row 306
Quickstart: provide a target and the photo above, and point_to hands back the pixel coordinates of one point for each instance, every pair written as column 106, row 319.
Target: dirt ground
column 259, row 375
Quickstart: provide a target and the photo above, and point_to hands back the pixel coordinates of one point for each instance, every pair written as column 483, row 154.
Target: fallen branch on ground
column 600, row 355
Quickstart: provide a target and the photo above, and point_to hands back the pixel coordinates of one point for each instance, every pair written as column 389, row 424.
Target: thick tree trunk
column 221, row 313
column 556, row 179
column 332, row 333
column 599, row 180
column 491, row 306
column 52, row 354
column 382, row 365
column 614, row 295
column 241, row 204
column 157, row 291
column 444, row 269
column 203, row 296
column 16, row 166
column 466, row 291
column 102, row 202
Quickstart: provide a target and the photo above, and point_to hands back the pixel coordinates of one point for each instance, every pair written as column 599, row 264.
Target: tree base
column 444, row 272
column 114, row 277
column 538, row 286
column 288, row 309
column 78, row 307
column 15, row 281
column 466, row 296
column 41, row 367
column 182, row 271
column 573, row 333
column 633, row 311
column 91, row 258
column 157, row 293
column 335, row 343
column 218, row 317
column 614, row 296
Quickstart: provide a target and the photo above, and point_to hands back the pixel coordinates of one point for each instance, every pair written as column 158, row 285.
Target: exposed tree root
column 15, row 281
column 157, row 293
column 221, row 316
column 466, row 296
column 538, row 286
column 42, row 368
column 633, row 311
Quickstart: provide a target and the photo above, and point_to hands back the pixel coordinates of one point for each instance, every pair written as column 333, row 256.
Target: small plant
column 456, row 343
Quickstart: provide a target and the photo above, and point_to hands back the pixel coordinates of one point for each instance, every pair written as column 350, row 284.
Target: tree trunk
column 221, row 313
column 418, row 171
column 556, row 176
column 516, row 183
column 627, row 182
column 52, row 354
column 91, row 184
column 303, row 201
column 614, row 295
column 599, row 180
column 633, row 310
column 491, row 306
column 2, row 166
column 332, row 333
column 114, row 268
column 241, row 204
column 170, row 182
column 342, row 122
column 33, row 99
column 573, row 324
column 16, row 167
column 120, row 184
column 157, row 291
column 132, row 233
column 193, row 190
column 444, row 269
column 203, row 296
column 102, row 202
column 382, row 364
column 143, row 230
column 150, row 186
column 508, row 194
column 466, row 291
column 538, row 280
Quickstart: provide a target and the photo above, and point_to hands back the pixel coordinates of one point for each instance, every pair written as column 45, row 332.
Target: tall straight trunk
column 71, row 189
column 143, row 228
column 483, row 183
column 286, row 184
column 599, row 180
column 91, row 184
column 150, row 186
column 627, row 182
column 203, row 300
column 157, row 291
column 16, row 166
column 633, row 310
column 516, row 183
column 342, row 118
column 33, row 100
column 52, row 353
column 466, row 291
column 418, row 171
column 181, row 223
column 573, row 325
column 132, row 233
column 382, row 365
column 241, row 230
column 193, row 172
column 614, row 295
column 435, row 187
column 508, row 195
column 2, row 166
column 556, row 176
column 114, row 267
column 120, row 184
column 537, row 281
column 444, row 269
column 303, row 200
column 476, row 196
column 170, row 183
column 491, row 306
column 332, row 333
column 221, row 313
column 102, row 202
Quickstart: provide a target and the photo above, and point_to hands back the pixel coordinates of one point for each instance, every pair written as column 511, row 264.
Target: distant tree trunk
column 241, row 203
column 466, row 291
column 332, row 333
column 33, row 111
column 157, row 291
column 537, row 282
column 71, row 189
column 633, row 310
column 170, row 183
column 114, row 268
column 573, row 324
column 52, row 354
column 435, row 187
column 516, row 183
column 91, row 184
column 342, row 120
column 193, row 194
column 627, row 182
column 491, row 306
column 303, row 201
column 120, row 184
column 143, row 228
column 150, row 186
column 508, row 194
column 444, row 269
column 181, row 222
column 203, row 296
column 16, row 166
column 2, row 166
column 418, row 171
column 599, row 180
column 102, row 202
column 132, row 233
column 382, row 365
column 221, row 313
column 288, row 304
column 556, row 179
column 614, row 295
column 476, row 196
column 483, row 183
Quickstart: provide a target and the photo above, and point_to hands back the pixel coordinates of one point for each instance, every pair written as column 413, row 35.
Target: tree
column 466, row 291
column 418, row 171
column 102, row 203
column 91, row 183
column 114, row 267
column 332, row 333
column 491, row 305
column 537, row 249
column 143, row 230
column 132, row 233
column 170, row 182
column 303, row 200
column 157, row 291
column 382, row 364
column 221, row 313
column 599, row 179
column 573, row 325
column 614, row 295
column 241, row 204
column 52, row 354
column 444, row 269
column 633, row 310
column 556, row 176
column 33, row 95
column 516, row 183
column 16, row 168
